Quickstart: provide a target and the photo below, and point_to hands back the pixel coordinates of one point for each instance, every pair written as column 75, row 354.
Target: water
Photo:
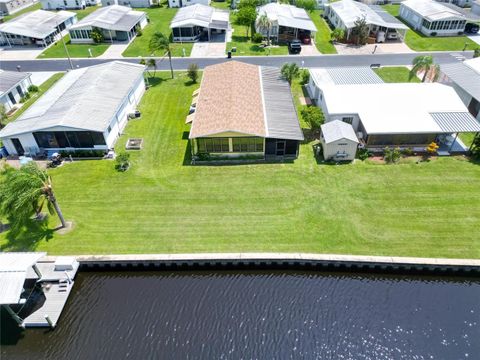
column 258, row 315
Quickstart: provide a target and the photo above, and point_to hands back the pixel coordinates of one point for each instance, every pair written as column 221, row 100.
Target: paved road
column 308, row 61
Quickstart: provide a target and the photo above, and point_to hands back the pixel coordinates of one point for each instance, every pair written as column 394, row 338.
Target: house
column 460, row 3
column 67, row 4
column 86, row 109
column 131, row 3
column 339, row 141
column 183, row 3
column 288, row 22
column 13, row 86
column 116, row 23
column 9, row 7
column 476, row 7
column 196, row 22
column 38, row 27
column 244, row 110
column 382, row 26
column 432, row 18
column 465, row 79
column 427, row 111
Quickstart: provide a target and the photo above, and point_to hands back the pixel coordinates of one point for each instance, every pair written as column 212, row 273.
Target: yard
column 163, row 204
column 396, row 74
column 21, row 12
column 75, row 50
column 322, row 37
column 160, row 19
column 419, row 42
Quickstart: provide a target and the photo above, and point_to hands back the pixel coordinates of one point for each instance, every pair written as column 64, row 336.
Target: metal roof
column 432, row 10
column 344, row 76
column 13, row 271
column 466, row 75
column 452, row 122
column 350, row 11
column 287, row 15
column 9, row 79
column 86, row 99
column 114, row 17
column 280, row 115
column 36, row 24
column 338, row 130
column 201, row 15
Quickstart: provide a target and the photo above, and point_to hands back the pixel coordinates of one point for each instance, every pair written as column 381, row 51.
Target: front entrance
column 281, row 144
column 18, row 146
column 280, row 148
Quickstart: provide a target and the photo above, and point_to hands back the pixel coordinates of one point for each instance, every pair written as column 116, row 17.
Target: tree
column 264, row 25
column 97, row 35
column 426, row 64
column 313, row 116
column 248, row 3
column 152, row 63
column 475, row 148
column 476, row 53
column 25, row 191
column 246, row 16
column 337, row 34
column 360, row 31
column 192, row 72
column 392, row 156
column 290, row 71
column 3, row 116
column 308, row 5
column 159, row 42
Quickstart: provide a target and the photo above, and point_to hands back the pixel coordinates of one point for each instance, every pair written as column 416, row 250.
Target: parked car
column 305, row 39
column 472, row 28
column 295, row 47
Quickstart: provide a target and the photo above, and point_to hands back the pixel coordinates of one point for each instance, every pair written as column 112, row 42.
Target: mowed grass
column 419, row 42
column 33, row 7
column 57, row 50
column 160, row 19
column 396, row 74
column 322, row 37
column 164, row 204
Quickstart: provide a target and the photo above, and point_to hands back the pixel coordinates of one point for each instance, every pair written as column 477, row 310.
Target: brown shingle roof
column 230, row 100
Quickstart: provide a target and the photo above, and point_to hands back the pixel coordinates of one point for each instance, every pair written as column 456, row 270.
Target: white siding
column 60, row 4
column 5, row 99
column 131, row 3
column 182, row 3
column 343, row 146
column 27, row 140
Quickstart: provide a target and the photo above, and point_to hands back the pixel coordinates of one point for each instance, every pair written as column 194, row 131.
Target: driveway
column 20, row 52
column 388, row 48
column 475, row 38
column 213, row 48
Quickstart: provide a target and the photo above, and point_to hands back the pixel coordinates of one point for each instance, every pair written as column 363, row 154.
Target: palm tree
column 264, row 25
column 25, row 191
column 160, row 42
column 426, row 64
column 152, row 63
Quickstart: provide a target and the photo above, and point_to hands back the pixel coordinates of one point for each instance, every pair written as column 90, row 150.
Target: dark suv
column 471, row 28
column 295, row 46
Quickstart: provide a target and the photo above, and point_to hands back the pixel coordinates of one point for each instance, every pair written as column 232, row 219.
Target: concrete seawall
column 294, row 261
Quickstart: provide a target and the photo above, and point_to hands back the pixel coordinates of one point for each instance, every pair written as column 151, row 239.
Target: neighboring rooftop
column 85, row 99
column 288, row 15
column 245, row 99
column 350, row 11
column 201, row 15
column 36, row 24
column 337, row 130
column 402, row 108
column 8, row 79
column 344, row 76
column 466, row 75
column 432, row 10
column 114, row 17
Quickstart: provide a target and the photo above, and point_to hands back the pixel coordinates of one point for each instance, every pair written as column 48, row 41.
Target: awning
column 456, row 122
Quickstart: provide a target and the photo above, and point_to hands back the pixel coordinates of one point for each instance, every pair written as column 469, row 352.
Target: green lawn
column 396, row 74
column 160, row 19
column 322, row 37
column 163, row 204
column 75, row 50
column 221, row 4
column 418, row 42
column 28, row 9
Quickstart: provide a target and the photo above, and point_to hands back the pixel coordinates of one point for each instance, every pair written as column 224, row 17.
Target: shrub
column 122, row 161
column 313, row 116
column 337, row 34
column 192, row 72
column 82, row 153
column 476, row 53
column 460, row 33
column 97, row 35
column 25, row 97
column 33, row 88
column 432, row 148
column 290, row 71
column 434, row 33
column 407, row 152
column 257, row 38
column 203, row 157
column 363, row 154
column 304, row 76
column 391, row 156
column 139, row 32
column 476, row 147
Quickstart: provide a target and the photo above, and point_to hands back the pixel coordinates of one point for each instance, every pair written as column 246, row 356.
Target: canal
column 257, row 315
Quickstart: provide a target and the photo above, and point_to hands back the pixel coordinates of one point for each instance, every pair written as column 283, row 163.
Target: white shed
column 339, row 141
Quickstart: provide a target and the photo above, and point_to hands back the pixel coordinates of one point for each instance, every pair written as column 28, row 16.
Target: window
column 348, row 119
column 247, row 144
column 109, row 129
column 65, row 2
column 213, row 145
column 65, row 139
column 342, row 144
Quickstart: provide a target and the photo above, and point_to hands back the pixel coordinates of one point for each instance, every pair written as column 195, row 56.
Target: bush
column 139, row 32
column 97, row 35
column 433, row 33
column 122, row 161
column 203, row 157
column 337, row 34
column 407, row 152
column 257, row 38
column 25, row 97
column 192, row 72
column 82, row 153
column 476, row 147
column 290, row 71
column 392, row 156
column 313, row 116
column 33, row 88
column 363, row 154
column 460, row 33
column 476, row 53
column 304, row 76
